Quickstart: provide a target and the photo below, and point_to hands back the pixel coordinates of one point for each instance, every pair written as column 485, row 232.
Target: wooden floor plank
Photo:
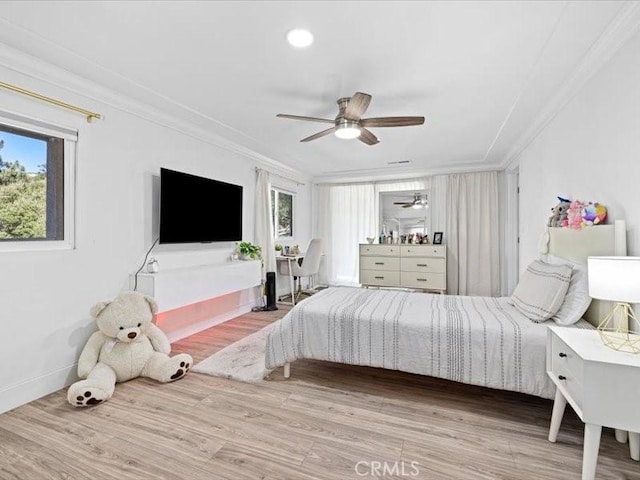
column 317, row 425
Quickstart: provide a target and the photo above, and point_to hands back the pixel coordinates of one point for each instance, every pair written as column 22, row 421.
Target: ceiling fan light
column 299, row 37
column 347, row 133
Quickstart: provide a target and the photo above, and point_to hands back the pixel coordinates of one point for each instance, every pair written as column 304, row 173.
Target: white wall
column 590, row 151
column 45, row 296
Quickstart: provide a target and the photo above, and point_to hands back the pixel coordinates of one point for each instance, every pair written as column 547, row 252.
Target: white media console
column 175, row 288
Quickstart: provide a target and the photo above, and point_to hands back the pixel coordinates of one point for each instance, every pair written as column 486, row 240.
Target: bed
column 476, row 340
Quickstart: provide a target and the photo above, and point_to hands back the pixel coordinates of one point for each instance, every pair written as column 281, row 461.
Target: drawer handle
column 562, row 355
column 421, row 279
column 421, row 265
column 379, row 278
column 379, row 263
column 561, row 377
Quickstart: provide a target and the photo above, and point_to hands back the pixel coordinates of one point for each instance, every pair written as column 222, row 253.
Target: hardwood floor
column 317, row 425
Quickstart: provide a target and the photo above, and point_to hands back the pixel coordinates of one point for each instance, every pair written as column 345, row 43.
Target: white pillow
column 541, row 290
column 577, row 299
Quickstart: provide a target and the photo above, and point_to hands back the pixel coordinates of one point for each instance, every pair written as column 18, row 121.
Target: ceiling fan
column 349, row 123
column 419, row 201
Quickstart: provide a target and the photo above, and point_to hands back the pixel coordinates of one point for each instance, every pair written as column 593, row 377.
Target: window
column 35, row 185
column 282, row 213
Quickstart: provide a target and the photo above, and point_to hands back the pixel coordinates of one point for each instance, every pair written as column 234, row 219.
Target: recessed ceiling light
column 299, row 38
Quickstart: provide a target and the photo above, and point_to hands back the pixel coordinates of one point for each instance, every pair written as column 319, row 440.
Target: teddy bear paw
column 89, row 397
column 181, row 371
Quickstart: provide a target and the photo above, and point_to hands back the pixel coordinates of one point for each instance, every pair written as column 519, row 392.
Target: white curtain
column 345, row 217
column 472, row 234
column 263, row 222
column 322, row 229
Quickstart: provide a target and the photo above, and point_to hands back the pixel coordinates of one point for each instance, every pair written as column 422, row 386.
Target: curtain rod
column 405, row 180
column 377, row 182
column 90, row 115
column 297, row 182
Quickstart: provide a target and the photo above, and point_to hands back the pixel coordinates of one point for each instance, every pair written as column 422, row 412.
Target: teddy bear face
column 125, row 318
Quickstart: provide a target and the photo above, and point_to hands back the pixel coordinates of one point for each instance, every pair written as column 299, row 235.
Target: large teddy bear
column 127, row 345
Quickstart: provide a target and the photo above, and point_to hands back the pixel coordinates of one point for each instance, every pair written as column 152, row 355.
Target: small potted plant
column 248, row 251
column 278, row 247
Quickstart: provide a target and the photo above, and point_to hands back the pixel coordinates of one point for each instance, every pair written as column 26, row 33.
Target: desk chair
column 308, row 268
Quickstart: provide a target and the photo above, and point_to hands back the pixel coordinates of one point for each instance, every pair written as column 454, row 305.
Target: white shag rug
column 242, row 360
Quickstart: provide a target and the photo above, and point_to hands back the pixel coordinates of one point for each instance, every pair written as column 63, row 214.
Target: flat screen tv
column 198, row 210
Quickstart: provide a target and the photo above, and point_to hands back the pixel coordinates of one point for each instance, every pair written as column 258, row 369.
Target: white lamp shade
column 614, row 278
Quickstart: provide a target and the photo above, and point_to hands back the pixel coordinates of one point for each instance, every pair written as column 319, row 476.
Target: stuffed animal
column 558, row 216
column 574, row 215
column 593, row 214
column 127, row 345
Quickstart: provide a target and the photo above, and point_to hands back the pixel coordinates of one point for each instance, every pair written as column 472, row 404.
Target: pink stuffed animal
column 574, row 215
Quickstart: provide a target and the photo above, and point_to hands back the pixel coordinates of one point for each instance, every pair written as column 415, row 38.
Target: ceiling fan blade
column 308, row 119
column 367, row 137
column 319, row 134
column 391, row 121
column 357, row 106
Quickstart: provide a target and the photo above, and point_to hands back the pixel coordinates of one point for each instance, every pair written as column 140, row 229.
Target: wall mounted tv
column 198, row 210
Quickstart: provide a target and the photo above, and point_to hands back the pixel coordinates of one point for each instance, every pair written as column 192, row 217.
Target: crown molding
column 618, row 32
column 195, row 125
column 385, row 174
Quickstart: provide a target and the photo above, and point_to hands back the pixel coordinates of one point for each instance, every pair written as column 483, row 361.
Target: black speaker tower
column 270, row 290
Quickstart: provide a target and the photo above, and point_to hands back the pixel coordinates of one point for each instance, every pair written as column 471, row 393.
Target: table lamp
column 617, row 279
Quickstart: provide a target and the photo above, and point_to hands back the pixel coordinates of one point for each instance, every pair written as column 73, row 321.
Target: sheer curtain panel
column 263, row 223
column 472, row 234
column 345, row 217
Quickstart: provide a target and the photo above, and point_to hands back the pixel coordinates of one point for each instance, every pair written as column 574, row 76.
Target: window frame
column 275, row 217
column 70, row 138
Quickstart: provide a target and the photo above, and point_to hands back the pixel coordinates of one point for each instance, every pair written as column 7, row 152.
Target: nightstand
column 601, row 384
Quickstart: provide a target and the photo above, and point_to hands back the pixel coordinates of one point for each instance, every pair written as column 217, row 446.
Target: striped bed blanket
column 475, row 340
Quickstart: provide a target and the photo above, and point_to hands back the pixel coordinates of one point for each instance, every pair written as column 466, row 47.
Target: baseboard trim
column 22, row 393
column 16, row 395
column 208, row 323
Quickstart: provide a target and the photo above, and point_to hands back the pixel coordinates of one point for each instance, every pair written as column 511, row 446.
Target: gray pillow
column 541, row 290
column 577, row 299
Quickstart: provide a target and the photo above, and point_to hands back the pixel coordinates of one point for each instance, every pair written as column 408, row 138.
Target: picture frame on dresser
column 437, row 238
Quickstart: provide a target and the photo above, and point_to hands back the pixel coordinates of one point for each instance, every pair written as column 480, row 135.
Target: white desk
column 285, row 267
column 602, row 385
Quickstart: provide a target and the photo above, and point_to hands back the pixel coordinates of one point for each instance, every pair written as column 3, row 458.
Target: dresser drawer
column 435, row 281
column 423, row 264
column 380, row 263
column 423, row 251
column 380, row 278
column 380, row 250
column 567, row 367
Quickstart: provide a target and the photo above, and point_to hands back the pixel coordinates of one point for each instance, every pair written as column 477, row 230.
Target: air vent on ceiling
column 399, row 162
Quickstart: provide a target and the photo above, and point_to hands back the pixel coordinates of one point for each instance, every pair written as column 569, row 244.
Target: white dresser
column 412, row 266
column 602, row 385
